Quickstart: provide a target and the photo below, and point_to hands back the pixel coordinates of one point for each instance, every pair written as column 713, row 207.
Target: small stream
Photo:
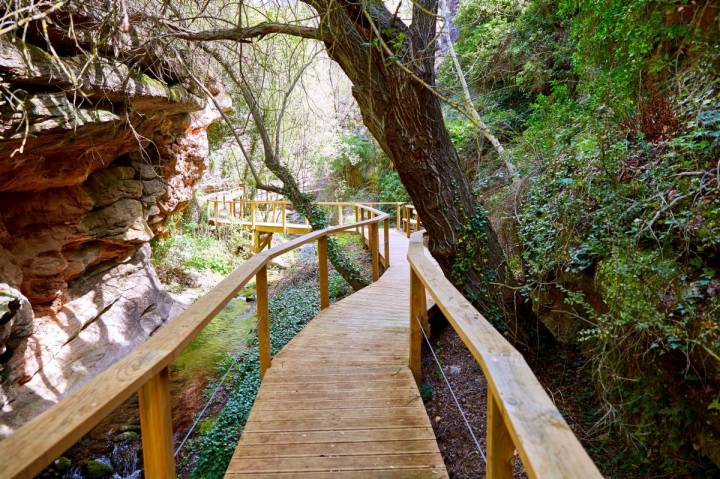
column 112, row 450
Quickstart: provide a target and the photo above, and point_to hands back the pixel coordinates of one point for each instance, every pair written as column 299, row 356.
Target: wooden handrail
column 521, row 416
column 35, row 445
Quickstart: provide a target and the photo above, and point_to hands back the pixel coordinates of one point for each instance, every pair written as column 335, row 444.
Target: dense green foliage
column 361, row 171
column 190, row 245
column 290, row 310
column 612, row 111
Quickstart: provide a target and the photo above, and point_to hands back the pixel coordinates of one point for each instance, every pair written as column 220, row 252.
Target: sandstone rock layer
column 95, row 154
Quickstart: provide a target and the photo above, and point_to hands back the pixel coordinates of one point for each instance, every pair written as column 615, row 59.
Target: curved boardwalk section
column 339, row 400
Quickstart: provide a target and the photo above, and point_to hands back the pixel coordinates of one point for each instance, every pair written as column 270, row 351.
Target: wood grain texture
column 263, row 320
column 323, row 273
column 339, row 399
column 156, row 427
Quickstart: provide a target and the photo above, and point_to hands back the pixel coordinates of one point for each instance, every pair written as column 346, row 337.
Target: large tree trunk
column 404, row 115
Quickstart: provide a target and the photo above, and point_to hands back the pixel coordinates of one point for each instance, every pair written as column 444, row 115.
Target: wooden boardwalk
column 339, row 400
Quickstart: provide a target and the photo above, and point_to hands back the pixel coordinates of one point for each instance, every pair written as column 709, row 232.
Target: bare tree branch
column 245, row 34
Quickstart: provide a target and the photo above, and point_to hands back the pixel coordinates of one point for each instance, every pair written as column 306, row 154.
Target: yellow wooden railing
column 276, row 211
column 32, row 447
column 520, row 414
column 410, row 220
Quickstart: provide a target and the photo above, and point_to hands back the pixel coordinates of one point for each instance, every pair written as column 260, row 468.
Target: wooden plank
column 410, row 473
column 328, row 404
column 336, row 423
column 338, row 449
column 337, row 463
column 500, row 447
column 359, row 393
column 263, row 317
column 337, row 435
column 156, row 427
column 417, row 309
column 375, row 251
column 354, row 413
column 323, row 272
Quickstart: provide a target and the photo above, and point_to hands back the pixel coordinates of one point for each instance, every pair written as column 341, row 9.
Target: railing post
column 418, row 309
column 263, row 317
column 340, row 215
column 282, row 212
column 252, row 214
column 323, row 273
column 357, row 219
column 362, row 228
column 156, row 427
column 407, row 221
column 398, row 222
column 215, row 209
column 386, row 242
column 242, row 209
column 500, row 448
column 375, row 250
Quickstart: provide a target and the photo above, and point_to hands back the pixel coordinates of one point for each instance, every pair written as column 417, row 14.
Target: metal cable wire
column 452, row 393
column 207, row 404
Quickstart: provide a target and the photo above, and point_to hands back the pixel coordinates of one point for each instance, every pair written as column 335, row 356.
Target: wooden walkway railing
column 520, row 415
column 34, row 446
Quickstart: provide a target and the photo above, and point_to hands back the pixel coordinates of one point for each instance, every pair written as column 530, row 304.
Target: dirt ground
column 560, row 371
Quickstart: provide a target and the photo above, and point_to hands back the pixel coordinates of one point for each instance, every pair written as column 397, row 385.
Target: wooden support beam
column 500, row 448
column 323, row 273
column 407, row 221
column 263, row 317
column 398, row 221
column 375, row 250
column 386, row 239
column 418, row 308
column 156, row 427
column 283, row 213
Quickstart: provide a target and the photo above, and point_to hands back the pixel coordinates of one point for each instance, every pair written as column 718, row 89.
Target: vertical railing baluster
column 263, row 320
column 374, row 241
column 282, row 212
column 340, row 215
column 323, row 273
column 357, row 219
column 362, row 228
column 418, row 309
column 156, row 427
column 500, row 448
column 386, row 241
column 398, row 221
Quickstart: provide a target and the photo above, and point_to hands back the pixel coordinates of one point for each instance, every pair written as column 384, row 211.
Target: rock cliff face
column 95, row 153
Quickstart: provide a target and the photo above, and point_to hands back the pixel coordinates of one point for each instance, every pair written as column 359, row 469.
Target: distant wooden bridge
column 341, row 399
column 267, row 217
